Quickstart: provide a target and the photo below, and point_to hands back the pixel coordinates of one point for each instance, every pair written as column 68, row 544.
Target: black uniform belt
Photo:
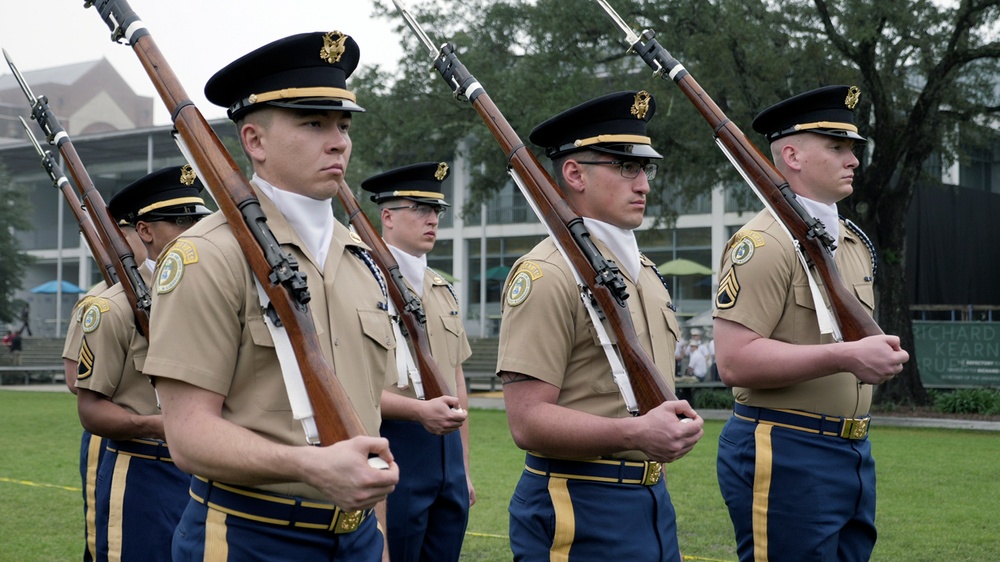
column 152, row 449
column 275, row 509
column 645, row 473
column 820, row 424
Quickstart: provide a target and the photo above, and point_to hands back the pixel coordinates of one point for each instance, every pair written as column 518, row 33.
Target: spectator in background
column 25, row 315
column 697, row 361
column 13, row 341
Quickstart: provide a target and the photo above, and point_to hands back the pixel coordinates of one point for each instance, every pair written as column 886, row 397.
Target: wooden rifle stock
column 125, row 265
column 276, row 271
column 854, row 321
column 90, row 235
column 408, row 305
column 600, row 276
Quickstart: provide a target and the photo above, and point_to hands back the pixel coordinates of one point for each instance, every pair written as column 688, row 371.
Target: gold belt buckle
column 347, row 521
column 654, row 471
column 855, row 428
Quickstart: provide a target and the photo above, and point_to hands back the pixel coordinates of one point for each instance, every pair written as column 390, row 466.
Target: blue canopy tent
column 53, row 287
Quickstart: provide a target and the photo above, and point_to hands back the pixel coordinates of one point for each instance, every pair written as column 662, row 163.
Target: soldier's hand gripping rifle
column 807, row 232
column 60, row 182
column 600, row 277
column 125, row 265
column 407, row 304
column 276, row 271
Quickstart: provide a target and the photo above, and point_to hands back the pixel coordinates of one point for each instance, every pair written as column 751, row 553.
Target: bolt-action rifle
column 60, row 182
column 125, row 265
column 808, row 233
column 276, row 271
column 603, row 285
column 407, row 303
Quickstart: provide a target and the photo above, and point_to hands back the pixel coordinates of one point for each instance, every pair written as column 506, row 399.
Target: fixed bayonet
column 412, row 23
column 630, row 36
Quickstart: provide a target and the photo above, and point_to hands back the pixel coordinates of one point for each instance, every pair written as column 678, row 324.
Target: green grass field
column 939, row 496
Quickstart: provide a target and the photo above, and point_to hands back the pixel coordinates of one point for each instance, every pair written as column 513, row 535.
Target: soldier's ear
column 573, row 176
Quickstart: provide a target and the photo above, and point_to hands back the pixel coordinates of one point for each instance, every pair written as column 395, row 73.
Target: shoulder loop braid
column 364, row 256
column 864, row 238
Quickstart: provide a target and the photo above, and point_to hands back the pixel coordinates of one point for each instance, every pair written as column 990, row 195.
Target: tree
column 926, row 71
column 13, row 216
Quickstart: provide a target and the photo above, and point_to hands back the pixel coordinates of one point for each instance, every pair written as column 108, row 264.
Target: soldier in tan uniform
column 259, row 492
column 795, row 464
column 592, row 485
column 91, row 446
column 429, row 510
column 116, row 401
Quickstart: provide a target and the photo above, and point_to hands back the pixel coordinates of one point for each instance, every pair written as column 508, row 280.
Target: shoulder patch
column 742, row 251
column 520, row 284
column 81, row 307
column 729, row 289
column 170, row 268
column 92, row 316
column 519, row 289
column 85, row 364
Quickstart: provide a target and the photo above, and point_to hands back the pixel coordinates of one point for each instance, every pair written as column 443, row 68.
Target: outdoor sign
column 958, row 353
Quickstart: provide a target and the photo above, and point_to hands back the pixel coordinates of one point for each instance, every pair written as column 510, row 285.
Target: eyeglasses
column 629, row 168
column 183, row 221
column 423, row 210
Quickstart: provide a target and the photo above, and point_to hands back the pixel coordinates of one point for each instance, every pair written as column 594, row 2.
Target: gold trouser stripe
column 116, row 509
column 761, row 490
column 565, row 520
column 216, row 547
column 93, row 454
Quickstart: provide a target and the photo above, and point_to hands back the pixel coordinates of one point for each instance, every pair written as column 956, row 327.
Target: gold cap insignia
column 333, row 46
column 441, row 172
column 641, row 105
column 187, row 175
column 853, row 95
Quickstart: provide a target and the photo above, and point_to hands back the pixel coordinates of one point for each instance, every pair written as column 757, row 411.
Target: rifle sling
column 290, row 372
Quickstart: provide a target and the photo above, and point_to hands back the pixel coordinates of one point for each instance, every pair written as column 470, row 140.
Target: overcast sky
column 196, row 37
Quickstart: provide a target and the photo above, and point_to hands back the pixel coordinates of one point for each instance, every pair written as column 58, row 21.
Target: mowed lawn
column 939, row 490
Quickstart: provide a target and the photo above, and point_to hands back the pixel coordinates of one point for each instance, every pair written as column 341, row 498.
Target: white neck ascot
column 412, row 268
column 827, row 214
column 622, row 244
column 312, row 219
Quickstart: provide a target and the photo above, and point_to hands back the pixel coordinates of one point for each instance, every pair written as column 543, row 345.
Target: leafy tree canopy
column 13, row 216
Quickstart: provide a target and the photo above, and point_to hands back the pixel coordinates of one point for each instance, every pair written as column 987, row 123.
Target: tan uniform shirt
column 208, row 329
column 112, row 352
column 74, row 331
column 764, row 287
column 445, row 332
column 546, row 332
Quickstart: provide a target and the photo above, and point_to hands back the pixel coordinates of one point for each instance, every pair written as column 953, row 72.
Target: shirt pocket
column 866, row 294
column 453, row 334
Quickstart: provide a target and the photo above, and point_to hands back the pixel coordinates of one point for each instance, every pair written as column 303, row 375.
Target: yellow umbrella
column 681, row 266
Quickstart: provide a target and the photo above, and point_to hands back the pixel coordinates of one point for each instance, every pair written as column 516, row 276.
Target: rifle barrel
column 60, row 182
column 125, row 265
